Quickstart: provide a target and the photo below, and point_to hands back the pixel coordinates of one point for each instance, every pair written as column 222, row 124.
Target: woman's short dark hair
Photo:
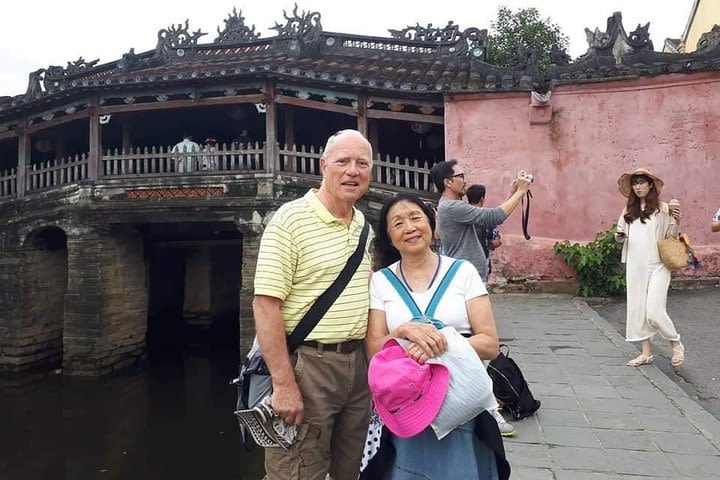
column 441, row 172
column 385, row 253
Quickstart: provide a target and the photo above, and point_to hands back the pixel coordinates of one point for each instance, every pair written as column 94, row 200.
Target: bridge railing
column 402, row 172
column 58, row 172
column 8, row 183
column 163, row 161
column 299, row 159
column 387, row 170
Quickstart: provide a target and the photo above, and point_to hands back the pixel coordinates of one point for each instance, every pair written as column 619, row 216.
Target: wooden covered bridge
column 105, row 236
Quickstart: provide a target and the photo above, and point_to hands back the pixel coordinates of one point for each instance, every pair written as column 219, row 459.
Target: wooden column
column 270, row 128
column 24, row 147
column 362, row 122
column 374, row 138
column 95, row 146
column 288, row 118
column 126, row 123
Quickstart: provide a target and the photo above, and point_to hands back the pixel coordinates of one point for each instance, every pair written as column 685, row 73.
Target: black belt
column 342, row 347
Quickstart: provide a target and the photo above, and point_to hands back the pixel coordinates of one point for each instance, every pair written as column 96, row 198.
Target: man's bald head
column 340, row 137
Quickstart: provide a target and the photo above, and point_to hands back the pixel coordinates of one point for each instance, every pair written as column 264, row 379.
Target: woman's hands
column 426, row 340
column 676, row 213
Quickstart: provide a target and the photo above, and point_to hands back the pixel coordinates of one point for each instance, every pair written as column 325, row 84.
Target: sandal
column 678, row 357
column 641, row 360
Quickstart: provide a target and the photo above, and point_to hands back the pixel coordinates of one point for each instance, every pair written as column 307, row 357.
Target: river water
column 169, row 418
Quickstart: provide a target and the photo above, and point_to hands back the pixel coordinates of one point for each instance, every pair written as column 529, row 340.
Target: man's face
column 346, row 168
column 456, row 184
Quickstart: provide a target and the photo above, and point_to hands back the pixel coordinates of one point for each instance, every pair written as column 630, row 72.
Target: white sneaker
column 506, row 429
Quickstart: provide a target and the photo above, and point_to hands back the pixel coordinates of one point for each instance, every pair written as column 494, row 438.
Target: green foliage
column 597, row 264
column 525, row 27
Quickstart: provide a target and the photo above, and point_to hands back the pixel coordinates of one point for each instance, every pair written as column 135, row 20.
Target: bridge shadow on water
column 170, row 417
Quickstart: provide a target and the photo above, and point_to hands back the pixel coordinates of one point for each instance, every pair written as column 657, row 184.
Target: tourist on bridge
column 322, row 386
column 645, row 221
column 210, row 162
column 184, row 164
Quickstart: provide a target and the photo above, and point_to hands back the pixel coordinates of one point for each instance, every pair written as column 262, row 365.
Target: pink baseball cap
column 407, row 395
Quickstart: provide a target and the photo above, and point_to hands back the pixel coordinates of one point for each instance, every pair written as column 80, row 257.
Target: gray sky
column 35, row 34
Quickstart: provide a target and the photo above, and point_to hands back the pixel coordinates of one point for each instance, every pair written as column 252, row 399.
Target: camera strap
column 525, row 210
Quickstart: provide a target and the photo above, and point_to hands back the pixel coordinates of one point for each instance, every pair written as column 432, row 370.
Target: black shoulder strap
column 328, row 297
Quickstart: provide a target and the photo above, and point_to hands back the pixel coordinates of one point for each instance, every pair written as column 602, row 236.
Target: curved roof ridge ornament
column 235, row 30
column 471, row 40
column 36, row 82
column 56, row 76
column 306, row 25
column 174, row 40
column 79, row 66
column 709, row 39
column 615, row 42
column 559, row 56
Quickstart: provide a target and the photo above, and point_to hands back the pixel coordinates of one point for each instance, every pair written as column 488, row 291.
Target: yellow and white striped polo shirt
column 302, row 251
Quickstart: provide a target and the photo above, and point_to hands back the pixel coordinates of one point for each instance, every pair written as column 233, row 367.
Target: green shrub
column 597, row 264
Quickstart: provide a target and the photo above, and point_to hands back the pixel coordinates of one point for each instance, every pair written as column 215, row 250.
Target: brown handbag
column 673, row 253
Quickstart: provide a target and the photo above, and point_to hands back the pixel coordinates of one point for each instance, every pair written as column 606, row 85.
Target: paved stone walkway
column 599, row 420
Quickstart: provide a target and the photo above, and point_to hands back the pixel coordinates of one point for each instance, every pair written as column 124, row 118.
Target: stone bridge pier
column 106, row 302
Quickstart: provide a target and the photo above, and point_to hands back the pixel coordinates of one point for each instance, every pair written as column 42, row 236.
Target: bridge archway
column 45, row 278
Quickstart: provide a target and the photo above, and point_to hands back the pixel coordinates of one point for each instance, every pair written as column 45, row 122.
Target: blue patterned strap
column 437, row 296
column 403, row 292
column 440, row 292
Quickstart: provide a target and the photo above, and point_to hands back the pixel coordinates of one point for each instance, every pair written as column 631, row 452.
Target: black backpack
column 510, row 387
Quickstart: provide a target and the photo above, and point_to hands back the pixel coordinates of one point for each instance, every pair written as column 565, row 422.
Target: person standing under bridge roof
column 184, row 164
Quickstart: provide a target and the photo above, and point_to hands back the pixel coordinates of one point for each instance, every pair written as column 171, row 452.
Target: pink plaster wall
column 670, row 124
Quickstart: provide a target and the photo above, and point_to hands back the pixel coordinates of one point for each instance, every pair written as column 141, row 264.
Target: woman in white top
column 643, row 223
column 402, row 243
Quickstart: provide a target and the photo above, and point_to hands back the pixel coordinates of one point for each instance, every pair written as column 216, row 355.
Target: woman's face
column 641, row 186
column 408, row 228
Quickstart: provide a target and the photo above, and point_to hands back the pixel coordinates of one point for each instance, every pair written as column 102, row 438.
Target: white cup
column 674, row 204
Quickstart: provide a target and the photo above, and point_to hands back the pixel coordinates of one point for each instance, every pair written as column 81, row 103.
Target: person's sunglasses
column 459, row 175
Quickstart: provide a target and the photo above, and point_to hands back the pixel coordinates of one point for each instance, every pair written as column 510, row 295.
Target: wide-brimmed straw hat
column 407, row 395
column 624, row 181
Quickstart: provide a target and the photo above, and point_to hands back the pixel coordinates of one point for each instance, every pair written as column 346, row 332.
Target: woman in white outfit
column 645, row 221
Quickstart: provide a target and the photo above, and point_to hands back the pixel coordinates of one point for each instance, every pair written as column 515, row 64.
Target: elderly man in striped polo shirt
column 322, row 387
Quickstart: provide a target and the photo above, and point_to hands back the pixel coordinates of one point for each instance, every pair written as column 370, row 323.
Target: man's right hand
column 523, row 184
column 287, row 403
